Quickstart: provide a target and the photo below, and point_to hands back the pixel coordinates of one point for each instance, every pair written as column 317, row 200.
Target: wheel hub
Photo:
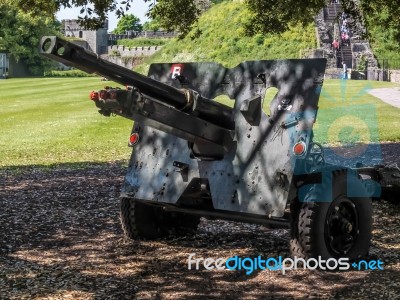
column 341, row 226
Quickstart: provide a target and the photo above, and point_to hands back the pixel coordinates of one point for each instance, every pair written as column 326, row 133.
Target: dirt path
column 388, row 95
column 60, row 238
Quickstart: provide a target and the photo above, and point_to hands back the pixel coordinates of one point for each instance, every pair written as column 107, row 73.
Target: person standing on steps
column 344, row 70
column 347, row 38
column 335, row 45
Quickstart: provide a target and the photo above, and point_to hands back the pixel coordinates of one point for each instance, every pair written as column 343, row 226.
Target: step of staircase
column 332, row 12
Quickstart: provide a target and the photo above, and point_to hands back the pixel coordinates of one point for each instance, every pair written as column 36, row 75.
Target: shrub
column 67, row 73
column 143, row 42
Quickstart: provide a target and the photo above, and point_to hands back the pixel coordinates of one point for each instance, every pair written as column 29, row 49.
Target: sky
column 139, row 9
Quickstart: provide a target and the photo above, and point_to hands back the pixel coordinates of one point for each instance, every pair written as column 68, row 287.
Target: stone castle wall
column 97, row 40
column 128, row 62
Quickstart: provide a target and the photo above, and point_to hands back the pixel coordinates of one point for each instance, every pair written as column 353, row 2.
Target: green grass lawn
column 51, row 120
column 47, row 121
column 346, row 104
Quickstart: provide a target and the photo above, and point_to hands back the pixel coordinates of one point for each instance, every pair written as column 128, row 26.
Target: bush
column 143, row 42
column 67, row 73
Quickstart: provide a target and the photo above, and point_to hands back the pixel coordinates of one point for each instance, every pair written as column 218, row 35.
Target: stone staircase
column 345, row 55
column 331, row 13
column 327, row 25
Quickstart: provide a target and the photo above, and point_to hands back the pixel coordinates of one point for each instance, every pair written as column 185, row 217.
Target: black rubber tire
column 140, row 220
column 310, row 219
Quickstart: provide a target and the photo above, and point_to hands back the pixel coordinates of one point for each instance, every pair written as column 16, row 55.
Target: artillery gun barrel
column 76, row 56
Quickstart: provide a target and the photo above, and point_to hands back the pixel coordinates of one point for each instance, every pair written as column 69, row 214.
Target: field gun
column 195, row 157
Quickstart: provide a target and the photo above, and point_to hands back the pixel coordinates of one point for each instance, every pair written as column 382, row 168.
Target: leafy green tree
column 20, row 33
column 277, row 16
column 152, row 25
column 128, row 22
column 178, row 15
column 384, row 13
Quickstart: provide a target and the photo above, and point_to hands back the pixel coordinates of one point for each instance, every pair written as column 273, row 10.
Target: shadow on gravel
column 61, row 238
column 367, row 154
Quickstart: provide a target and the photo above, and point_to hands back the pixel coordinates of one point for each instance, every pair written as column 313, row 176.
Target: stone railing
column 129, row 57
column 370, row 74
column 394, row 76
column 146, row 34
column 119, row 50
column 383, row 75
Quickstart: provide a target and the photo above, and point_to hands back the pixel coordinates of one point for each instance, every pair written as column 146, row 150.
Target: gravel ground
column 61, row 239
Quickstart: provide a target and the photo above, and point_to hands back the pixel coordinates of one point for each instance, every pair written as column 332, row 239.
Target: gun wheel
column 140, row 220
column 332, row 229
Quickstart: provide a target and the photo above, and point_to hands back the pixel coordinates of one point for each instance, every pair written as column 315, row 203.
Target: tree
column 266, row 15
column 179, row 15
column 385, row 13
column 152, row 25
column 276, row 16
column 20, row 33
column 128, row 22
